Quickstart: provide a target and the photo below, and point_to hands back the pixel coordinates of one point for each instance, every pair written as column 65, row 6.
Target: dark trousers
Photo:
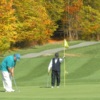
column 55, row 78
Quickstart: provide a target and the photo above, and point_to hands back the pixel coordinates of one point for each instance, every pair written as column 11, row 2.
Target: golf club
column 48, row 81
column 15, row 85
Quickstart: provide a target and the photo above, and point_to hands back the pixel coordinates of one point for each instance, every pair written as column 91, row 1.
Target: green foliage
column 91, row 24
column 55, row 8
column 4, row 45
column 93, row 3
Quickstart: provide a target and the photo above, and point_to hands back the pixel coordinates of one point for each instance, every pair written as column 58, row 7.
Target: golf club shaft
column 15, row 84
column 48, row 80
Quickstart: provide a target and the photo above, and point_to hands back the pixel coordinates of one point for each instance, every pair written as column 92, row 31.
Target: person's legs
column 58, row 78
column 53, row 78
column 7, row 82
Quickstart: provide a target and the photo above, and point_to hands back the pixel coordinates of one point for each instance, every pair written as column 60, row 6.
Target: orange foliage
column 95, row 27
column 75, row 7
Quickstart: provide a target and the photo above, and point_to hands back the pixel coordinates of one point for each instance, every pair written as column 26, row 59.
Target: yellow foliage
column 4, row 43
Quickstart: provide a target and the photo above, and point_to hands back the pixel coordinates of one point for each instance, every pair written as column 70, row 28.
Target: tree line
column 26, row 22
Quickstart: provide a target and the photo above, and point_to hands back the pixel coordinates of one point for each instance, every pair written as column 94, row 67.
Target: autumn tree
column 7, row 25
column 70, row 18
column 33, row 22
column 55, row 9
column 90, row 23
column 81, row 20
column 89, row 20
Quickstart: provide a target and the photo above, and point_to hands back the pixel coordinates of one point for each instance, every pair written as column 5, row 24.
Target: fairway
column 82, row 80
column 69, row 92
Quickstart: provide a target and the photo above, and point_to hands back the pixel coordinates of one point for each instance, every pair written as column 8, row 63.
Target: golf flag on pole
column 66, row 44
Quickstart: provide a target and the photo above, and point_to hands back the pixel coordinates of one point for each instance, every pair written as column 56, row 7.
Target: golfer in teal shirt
column 7, row 69
column 8, row 62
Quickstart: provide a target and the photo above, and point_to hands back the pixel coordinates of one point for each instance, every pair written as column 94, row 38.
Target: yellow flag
column 66, row 43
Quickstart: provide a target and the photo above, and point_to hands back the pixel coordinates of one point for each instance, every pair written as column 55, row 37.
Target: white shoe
column 12, row 90
column 7, row 91
column 57, row 86
column 52, row 87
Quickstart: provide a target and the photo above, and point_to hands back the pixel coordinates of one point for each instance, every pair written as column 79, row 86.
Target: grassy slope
column 40, row 48
column 82, row 82
column 85, row 65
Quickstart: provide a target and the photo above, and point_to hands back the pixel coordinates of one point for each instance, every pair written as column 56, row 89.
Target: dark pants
column 55, row 77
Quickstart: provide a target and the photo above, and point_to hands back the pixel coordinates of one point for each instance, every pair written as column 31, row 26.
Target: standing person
column 7, row 71
column 54, row 65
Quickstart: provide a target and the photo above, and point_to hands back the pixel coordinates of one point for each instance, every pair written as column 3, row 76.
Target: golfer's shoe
column 7, row 91
column 52, row 86
column 10, row 90
column 57, row 86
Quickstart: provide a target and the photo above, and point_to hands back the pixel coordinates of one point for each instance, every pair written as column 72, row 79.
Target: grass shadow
column 2, row 91
column 45, row 87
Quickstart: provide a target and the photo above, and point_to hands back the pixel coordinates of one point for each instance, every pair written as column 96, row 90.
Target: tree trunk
column 98, row 37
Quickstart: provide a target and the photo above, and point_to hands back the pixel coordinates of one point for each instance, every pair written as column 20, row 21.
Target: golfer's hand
column 12, row 74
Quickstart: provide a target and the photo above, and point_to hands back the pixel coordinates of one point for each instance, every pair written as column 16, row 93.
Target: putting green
column 68, row 92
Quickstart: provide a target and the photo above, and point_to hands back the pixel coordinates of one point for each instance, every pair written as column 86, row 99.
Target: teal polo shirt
column 8, row 62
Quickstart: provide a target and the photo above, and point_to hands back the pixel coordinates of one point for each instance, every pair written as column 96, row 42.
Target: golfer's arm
column 61, row 59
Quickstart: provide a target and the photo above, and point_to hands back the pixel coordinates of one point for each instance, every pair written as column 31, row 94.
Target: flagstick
column 64, row 66
column 65, row 46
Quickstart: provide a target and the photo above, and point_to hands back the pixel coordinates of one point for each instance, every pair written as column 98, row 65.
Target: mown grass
column 39, row 48
column 70, row 92
column 82, row 80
